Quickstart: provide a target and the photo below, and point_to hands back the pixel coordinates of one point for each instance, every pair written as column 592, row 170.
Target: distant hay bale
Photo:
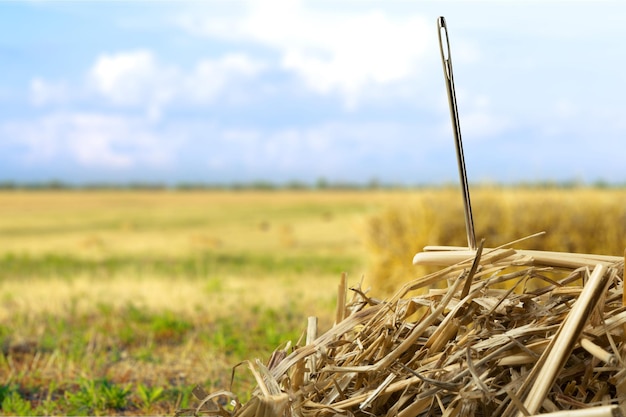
column 469, row 349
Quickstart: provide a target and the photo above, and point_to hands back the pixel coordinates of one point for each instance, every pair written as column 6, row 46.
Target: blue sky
column 235, row 91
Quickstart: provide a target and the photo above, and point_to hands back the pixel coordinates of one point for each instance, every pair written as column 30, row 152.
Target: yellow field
column 376, row 233
column 574, row 220
column 180, row 226
column 93, row 224
column 151, row 293
column 164, row 290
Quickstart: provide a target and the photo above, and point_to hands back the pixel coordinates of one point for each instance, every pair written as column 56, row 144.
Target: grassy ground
column 121, row 302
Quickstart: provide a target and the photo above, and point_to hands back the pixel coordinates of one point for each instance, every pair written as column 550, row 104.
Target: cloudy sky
column 231, row 91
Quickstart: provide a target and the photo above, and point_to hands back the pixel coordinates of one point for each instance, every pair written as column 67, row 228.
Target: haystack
column 511, row 333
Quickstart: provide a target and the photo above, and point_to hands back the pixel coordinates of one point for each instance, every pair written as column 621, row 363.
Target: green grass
column 131, row 359
column 201, row 265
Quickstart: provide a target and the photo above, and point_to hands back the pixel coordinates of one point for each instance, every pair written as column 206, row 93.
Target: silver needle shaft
column 456, row 128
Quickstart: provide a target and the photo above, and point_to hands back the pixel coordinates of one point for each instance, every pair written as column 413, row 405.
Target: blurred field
column 107, row 236
column 120, row 302
column 583, row 220
column 135, row 297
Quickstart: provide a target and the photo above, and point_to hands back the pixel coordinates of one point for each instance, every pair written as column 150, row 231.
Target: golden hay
column 580, row 220
column 471, row 349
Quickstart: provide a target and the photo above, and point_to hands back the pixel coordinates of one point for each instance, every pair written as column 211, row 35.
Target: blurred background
column 283, row 91
column 262, row 150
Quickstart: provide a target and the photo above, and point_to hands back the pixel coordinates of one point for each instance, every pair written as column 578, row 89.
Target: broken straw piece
column 602, row 411
column 451, row 255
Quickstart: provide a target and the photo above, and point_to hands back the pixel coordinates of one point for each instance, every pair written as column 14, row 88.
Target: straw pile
column 489, row 344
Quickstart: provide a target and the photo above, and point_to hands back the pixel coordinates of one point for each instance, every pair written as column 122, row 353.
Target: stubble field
column 121, row 302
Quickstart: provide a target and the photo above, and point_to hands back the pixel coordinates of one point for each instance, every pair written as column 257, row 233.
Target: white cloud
column 329, row 50
column 482, row 121
column 128, row 78
column 138, row 79
column 43, row 92
column 566, row 109
column 478, row 118
column 337, row 150
column 482, row 124
column 88, row 139
column 212, row 77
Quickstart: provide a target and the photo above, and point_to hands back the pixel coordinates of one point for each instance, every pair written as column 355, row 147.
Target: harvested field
column 134, row 298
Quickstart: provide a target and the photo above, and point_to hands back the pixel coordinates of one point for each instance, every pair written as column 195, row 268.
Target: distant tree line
column 320, row 184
